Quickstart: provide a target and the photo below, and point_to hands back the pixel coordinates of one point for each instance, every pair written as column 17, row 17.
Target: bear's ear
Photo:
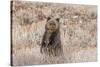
column 57, row 19
column 48, row 18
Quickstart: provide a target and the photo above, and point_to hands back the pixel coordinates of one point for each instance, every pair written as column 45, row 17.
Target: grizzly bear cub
column 51, row 43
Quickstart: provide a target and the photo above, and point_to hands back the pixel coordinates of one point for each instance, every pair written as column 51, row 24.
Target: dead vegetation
column 78, row 28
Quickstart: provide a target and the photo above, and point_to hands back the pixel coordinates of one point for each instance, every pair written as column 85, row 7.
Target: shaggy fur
column 51, row 43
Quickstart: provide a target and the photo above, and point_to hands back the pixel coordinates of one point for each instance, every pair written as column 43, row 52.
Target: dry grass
column 78, row 27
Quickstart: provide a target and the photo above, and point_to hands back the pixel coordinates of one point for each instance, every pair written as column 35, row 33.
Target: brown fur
column 51, row 43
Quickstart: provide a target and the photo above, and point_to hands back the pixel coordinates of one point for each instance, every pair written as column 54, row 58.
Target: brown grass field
column 78, row 29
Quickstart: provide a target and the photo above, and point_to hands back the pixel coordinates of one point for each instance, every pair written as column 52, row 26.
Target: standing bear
column 51, row 43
